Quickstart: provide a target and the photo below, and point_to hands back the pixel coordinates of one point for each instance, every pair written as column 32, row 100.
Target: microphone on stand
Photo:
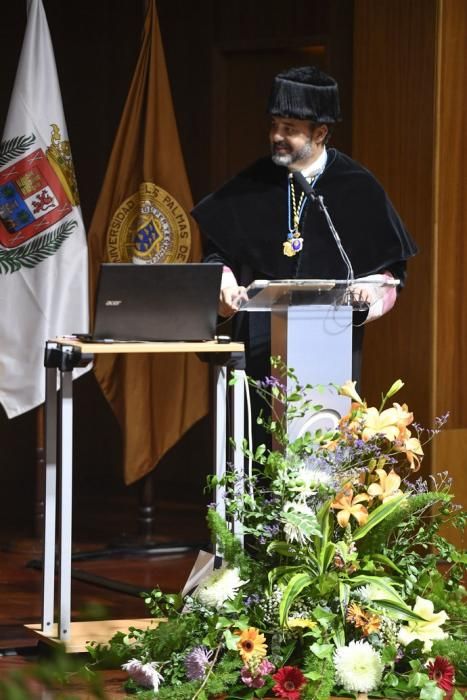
column 315, row 197
column 305, row 185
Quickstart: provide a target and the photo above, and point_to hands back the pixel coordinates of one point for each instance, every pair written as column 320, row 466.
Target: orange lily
column 348, row 505
column 413, row 451
column 404, row 416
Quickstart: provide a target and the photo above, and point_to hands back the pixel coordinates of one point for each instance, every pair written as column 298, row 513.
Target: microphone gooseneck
column 315, row 197
column 304, row 184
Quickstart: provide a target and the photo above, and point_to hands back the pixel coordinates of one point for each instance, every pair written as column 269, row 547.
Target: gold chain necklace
column 294, row 242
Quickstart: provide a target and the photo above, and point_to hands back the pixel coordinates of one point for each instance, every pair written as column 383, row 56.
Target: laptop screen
column 159, row 302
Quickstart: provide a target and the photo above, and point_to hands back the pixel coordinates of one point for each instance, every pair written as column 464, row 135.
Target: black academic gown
column 245, row 223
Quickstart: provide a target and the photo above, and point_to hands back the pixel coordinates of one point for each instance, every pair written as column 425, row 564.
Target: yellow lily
column 388, row 486
column 397, row 386
column 427, row 629
column 390, row 423
column 348, row 389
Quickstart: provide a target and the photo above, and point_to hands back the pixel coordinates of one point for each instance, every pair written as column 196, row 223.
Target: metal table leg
column 220, row 447
column 237, row 428
column 65, row 522
column 238, row 418
column 50, row 500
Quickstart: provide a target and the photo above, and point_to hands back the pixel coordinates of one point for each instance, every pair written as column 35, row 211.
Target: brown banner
column 155, row 398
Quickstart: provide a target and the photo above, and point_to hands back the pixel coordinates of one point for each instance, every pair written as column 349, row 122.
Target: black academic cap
column 305, row 93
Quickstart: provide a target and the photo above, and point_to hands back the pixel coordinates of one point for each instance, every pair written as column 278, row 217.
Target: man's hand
column 379, row 298
column 230, row 300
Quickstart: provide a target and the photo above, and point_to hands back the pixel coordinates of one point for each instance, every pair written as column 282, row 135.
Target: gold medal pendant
column 293, row 244
column 287, row 249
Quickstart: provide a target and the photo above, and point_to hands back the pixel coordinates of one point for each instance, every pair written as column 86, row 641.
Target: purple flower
column 441, row 420
column 271, row 530
column 196, row 663
column 256, row 679
column 252, row 599
column 419, row 486
column 400, row 654
column 272, row 382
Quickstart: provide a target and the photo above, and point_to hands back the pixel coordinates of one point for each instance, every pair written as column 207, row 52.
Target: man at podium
column 307, row 211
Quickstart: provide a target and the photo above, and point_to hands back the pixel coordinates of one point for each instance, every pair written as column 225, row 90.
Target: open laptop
column 159, row 302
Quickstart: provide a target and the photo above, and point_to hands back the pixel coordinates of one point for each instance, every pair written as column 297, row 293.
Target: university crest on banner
column 36, row 196
column 149, row 227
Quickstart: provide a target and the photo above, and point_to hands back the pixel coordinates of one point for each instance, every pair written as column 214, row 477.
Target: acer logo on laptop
column 113, row 302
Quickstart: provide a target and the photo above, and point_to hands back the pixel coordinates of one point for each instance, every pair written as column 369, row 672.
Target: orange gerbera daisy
column 373, row 625
column 355, row 615
column 362, row 619
column 251, row 642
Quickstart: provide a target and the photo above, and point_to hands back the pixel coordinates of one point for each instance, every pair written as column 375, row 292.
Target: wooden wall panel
column 451, row 209
column 393, row 126
column 450, row 368
column 410, row 129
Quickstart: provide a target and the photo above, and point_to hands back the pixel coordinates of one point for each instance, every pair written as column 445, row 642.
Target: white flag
column 43, row 252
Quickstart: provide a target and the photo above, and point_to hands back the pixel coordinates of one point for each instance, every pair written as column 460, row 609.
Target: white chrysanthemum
column 317, row 477
column 358, row 667
column 145, row 675
column 219, row 586
column 307, row 482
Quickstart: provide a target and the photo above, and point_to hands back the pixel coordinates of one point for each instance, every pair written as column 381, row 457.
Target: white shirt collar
column 317, row 166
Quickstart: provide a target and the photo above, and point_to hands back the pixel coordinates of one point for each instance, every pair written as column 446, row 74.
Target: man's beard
column 286, row 159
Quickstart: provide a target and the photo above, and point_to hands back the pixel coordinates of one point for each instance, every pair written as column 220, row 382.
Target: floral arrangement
column 344, row 585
